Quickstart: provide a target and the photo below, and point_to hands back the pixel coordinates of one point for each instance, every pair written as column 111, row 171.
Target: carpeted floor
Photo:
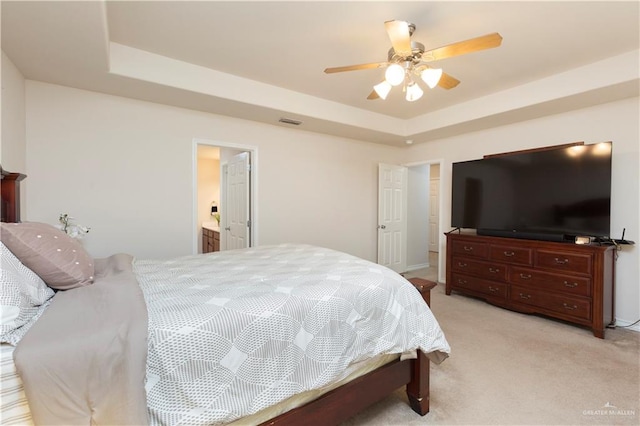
column 508, row 368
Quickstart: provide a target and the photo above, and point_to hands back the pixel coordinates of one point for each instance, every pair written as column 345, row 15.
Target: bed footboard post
column 418, row 387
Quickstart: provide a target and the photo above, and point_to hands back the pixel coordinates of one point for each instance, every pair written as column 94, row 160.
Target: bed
column 284, row 365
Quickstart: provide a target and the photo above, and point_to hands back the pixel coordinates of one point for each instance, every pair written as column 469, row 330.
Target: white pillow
column 23, row 295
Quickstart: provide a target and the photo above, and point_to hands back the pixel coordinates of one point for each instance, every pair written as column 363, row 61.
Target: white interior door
column 236, row 221
column 434, row 214
column 392, row 217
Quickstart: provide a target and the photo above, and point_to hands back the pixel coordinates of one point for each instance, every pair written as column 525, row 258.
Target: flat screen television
column 551, row 194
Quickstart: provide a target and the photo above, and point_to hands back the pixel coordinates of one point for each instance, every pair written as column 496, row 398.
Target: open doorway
column 208, row 203
column 423, row 220
column 215, row 198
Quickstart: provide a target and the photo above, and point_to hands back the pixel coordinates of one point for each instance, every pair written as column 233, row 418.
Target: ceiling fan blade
column 373, row 95
column 448, row 82
column 356, row 67
column 488, row 41
column 400, row 37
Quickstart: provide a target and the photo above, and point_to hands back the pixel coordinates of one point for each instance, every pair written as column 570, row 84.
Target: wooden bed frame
column 331, row 408
column 349, row 399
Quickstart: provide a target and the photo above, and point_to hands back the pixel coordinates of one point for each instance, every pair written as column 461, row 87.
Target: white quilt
column 233, row 332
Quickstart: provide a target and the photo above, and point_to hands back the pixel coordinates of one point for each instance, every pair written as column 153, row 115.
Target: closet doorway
column 423, row 219
column 217, row 195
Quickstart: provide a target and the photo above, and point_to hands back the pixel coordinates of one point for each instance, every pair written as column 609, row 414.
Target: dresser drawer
column 471, row 248
column 478, row 285
column 537, row 280
column 565, row 305
column 563, row 261
column 523, row 256
column 483, row 269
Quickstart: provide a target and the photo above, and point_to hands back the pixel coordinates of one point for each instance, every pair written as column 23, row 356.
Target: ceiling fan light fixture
column 431, row 76
column 382, row 89
column 394, row 74
column 408, row 59
column 414, row 92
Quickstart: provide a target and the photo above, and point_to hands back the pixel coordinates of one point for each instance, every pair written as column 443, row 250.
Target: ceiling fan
column 408, row 59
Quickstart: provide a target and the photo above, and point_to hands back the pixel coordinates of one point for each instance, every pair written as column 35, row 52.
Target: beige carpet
column 507, row 368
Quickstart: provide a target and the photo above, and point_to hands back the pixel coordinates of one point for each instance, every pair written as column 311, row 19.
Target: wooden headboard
column 10, row 195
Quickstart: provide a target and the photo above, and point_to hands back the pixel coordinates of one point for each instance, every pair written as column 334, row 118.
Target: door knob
column 382, row 227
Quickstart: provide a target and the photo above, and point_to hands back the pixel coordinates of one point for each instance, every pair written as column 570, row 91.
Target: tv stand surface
column 570, row 282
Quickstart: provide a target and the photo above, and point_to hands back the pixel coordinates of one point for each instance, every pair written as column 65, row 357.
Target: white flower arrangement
column 73, row 230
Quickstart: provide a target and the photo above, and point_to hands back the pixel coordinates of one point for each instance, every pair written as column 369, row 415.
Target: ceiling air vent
column 290, row 121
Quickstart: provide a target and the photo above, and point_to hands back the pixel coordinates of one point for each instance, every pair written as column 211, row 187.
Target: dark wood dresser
column 570, row 282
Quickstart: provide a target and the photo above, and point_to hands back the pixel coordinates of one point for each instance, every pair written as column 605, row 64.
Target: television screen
column 561, row 191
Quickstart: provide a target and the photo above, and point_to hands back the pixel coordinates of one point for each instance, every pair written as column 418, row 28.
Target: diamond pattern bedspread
column 233, row 332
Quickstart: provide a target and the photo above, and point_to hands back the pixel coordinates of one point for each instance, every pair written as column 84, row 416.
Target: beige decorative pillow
column 57, row 258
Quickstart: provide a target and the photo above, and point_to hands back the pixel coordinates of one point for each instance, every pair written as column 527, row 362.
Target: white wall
column 124, row 168
column 13, row 145
column 618, row 122
column 13, row 151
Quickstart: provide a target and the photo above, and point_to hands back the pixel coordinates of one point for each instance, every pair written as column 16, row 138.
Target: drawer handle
column 461, row 281
column 525, row 296
column 570, row 307
column 462, row 265
column 561, row 261
column 467, row 248
column 525, row 276
column 494, row 270
column 493, row 289
column 570, row 285
column 509, row 253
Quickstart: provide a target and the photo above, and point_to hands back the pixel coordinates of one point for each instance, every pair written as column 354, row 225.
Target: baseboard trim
column 416, row 267
column 622, row 323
